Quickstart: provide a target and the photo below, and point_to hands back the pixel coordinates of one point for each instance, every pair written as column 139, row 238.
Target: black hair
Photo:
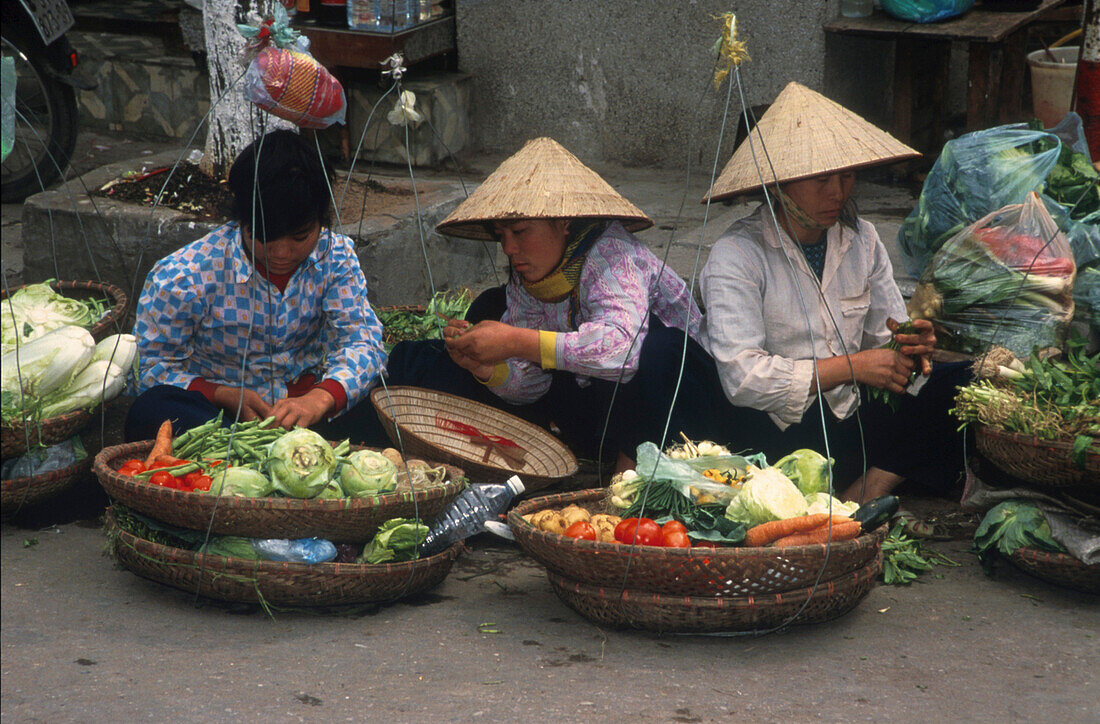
column 279, row 185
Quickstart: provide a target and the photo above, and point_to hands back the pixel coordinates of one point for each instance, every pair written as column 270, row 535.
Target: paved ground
column 82, row 640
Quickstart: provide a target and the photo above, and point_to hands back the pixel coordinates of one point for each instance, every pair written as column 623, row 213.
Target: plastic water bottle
column 468, row 513
column 302, row 550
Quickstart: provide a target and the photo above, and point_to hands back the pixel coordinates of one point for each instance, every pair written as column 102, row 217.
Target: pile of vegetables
column 61, row 371
column 904, row 559
column 1050, row 397
column 1010, row 526
column 574, row 521
column 37, row 309
column 254, row 459
column 1007, row 279
column 399, row 325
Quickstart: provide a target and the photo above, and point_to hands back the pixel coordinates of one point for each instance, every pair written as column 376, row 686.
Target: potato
column 394, row 456
column 573, row 513
column 605, row 526
column 550, row 521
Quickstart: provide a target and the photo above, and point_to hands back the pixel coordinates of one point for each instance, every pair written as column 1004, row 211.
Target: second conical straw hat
column 805, row 134
column 541, row 181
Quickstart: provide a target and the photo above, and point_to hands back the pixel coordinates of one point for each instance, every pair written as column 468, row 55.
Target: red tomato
column 132, row 466
column 624, row 531
column 649, row 533
column 202, row 483
column 675, row 539
column 581, row 529
column 163, row 478
column 673, row 525
column 190, row 477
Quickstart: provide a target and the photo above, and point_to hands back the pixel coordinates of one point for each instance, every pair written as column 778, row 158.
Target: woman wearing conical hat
column 587, row 306
column 802, row 303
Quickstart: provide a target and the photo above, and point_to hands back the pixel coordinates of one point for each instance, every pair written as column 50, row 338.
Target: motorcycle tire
column 45, row 123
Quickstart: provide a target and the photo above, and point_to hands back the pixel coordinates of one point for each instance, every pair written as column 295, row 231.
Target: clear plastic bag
column 290, row 84
column 302, row 550
column 925, row 11
column 44, row 460
column 652, row 464
column 999, row 282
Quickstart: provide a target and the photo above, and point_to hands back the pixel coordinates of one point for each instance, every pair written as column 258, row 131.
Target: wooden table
column 921, row 62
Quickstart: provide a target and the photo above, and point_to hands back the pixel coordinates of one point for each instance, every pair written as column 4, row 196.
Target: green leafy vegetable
column 398, row 539
column 241, row 482
column 37, row 309
column 905, row 558
column 1010, row 526
column 808, row 469
column 230, row 546
column 767, row 495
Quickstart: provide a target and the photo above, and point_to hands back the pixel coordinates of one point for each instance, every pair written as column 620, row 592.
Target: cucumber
column 875, row 513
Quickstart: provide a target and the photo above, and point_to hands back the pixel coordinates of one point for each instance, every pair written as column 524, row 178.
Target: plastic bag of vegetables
column 301, row 463
column 1006, row 280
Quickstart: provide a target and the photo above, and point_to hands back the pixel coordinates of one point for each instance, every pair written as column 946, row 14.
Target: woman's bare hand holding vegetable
column 303, row 411
column 920, row 344
column 252, row 406
column 489, row 342
column 883, row 368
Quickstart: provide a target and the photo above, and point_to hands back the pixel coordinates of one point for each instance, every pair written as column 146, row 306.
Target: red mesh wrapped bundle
column 293, row 86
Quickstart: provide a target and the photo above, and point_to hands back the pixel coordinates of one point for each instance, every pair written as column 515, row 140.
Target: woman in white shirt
column 800, row 304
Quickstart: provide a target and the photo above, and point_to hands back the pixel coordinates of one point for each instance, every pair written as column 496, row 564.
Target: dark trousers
column 187, row 409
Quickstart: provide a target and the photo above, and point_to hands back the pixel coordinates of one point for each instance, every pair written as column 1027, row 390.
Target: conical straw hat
column 541, row 181
column 805, row 134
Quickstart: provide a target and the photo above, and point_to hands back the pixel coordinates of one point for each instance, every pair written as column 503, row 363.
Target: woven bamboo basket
column 715, row 572
column 108, row 323
column 1043, row 462
column 1061, row 569
column 613, row 606
column 19, row 493
column 14, row 438
column 543, row 461
column 346, row 520
column 281, row 584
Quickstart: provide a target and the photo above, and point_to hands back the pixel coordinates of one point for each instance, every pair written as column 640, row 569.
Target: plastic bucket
column 1052, row 83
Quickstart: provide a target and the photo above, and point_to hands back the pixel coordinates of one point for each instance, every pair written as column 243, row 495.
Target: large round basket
column 1061, row 569
column 281, row 584
column 445, row 427
column 19, row 493
column 107, row 324
column 626, row 608
column 14, row 438
column 1043, row 462
column 347, row 520
column 715, row 572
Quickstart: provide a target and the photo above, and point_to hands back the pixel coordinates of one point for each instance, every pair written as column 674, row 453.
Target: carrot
column 765, row 533
column 845, row 530
column 162, row 445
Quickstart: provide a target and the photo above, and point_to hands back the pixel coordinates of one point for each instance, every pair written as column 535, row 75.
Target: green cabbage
column 397, row 539
column 37, row 309
column 808, row 469
column 767, row 495
column 365, row 472
column 819, row 503
column 301, row 463
column 99, row 382
column 48, row 363
column 241, row 482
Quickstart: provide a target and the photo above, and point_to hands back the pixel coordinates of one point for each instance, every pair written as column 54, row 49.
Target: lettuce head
column 767, row 495
column 808, row 469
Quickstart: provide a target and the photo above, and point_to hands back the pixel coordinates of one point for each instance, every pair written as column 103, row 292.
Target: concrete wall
column 629, row 80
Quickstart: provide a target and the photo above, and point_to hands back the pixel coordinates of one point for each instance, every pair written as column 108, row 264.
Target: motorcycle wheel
column 45, row 122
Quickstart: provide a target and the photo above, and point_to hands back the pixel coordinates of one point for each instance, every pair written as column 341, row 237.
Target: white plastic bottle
column 468, row 513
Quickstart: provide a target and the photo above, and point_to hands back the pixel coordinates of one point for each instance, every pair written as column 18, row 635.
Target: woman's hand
column 919, row 344
column 886, row 369
column 303, row 411
column 252, row 406
column 485, row 343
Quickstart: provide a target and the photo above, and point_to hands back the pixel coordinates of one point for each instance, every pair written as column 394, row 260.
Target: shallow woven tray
column 19, row 493
column 282, row 584
column 1032, row 460
column 13, row 438
column 1060, row 569
column 107, row 325
column 720, row 572
column 347, row 520
column 546, row 460
column 707, row 614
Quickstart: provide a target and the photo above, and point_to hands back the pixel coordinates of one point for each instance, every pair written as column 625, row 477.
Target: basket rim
column 102, row 468
column 515, row 519
column 9, row 484
column 68, row 417
column 562, row 449
column 1057, row 558
column 1029, row 440
column 232, row 564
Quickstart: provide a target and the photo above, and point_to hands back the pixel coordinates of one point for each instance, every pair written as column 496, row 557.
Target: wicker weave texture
column 19, row 493
column 1061, row 569
column 348, row 520
column 14, row 438
column 722, row 572
column 417, row 412
column 707, row 614
column 1043, row 462
column 281, row 584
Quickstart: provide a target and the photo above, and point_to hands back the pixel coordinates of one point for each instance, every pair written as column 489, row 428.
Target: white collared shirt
column 757, row 305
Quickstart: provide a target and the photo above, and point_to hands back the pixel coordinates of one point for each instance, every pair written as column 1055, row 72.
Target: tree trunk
column 234, row 122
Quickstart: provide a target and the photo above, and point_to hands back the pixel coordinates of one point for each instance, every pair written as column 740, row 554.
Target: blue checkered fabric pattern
column 206, row 312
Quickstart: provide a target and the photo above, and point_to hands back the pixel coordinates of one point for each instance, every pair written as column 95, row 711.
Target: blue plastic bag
column 925, row 11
